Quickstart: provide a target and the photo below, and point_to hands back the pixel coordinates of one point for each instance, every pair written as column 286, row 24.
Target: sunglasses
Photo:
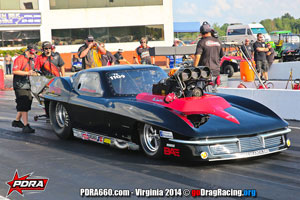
column 90, row 40
column 47, row 48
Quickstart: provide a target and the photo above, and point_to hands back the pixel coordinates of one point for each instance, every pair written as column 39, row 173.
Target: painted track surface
column 71, row 165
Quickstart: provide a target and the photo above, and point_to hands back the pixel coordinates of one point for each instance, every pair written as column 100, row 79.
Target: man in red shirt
column 49, row 63
column 23, row 68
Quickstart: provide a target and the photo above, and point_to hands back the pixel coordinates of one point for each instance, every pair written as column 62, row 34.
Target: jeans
column 8, row 68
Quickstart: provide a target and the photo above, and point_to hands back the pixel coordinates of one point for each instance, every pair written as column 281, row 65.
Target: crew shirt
column 211, row 52
column 259, row 55
column 22, row 63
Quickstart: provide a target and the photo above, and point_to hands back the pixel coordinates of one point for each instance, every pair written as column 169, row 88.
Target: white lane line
column 3, row 198
column 293, row 127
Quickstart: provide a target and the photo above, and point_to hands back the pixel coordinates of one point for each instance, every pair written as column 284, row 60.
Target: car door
column 89, row 110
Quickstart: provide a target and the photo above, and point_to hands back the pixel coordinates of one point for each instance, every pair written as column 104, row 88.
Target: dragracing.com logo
column 24, row 183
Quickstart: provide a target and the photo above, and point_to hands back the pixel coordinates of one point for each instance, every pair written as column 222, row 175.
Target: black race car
column 291, row 52
column 116, row 106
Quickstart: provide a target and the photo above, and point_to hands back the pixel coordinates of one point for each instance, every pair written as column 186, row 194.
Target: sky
column 233, row 11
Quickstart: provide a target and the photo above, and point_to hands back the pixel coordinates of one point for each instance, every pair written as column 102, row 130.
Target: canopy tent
column 186, row 27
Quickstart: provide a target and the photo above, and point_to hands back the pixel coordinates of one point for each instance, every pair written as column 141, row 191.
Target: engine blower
column 184, row 82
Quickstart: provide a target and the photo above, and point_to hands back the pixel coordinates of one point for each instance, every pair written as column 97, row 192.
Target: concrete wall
column 282, row 70
column 283, row 102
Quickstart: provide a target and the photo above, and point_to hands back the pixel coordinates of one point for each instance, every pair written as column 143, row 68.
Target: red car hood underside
column 207, row 104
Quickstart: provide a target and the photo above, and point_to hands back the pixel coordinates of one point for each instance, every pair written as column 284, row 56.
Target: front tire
column 150, row 141
column 60, row 120
column 228, row 69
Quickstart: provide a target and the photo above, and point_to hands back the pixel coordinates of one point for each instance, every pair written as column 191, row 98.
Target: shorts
column 262, row 66
column 23, row 100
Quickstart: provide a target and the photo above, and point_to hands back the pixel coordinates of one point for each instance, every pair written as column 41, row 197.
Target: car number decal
column 116, row 76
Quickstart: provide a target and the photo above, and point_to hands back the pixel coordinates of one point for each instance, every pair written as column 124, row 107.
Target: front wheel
column 60, row 120
column 151, row 142
column 228, row 69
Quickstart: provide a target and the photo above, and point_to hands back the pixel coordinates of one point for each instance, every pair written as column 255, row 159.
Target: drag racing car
column 141, row 107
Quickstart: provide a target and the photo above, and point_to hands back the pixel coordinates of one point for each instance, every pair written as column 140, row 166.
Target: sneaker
column 28, row 129
column 18, row 124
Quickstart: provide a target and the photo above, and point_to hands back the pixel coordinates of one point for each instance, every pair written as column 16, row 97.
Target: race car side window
column 89, row 84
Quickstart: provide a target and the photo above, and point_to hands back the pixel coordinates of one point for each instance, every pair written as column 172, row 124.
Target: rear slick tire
column 60, row 120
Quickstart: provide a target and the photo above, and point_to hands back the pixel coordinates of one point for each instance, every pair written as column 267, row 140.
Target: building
column 119, row 23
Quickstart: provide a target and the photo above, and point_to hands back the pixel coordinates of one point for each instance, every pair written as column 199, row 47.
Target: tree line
column 285, row 22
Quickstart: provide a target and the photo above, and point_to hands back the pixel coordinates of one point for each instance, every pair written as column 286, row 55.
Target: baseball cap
column 46, row 44
column 90, row 38
column 205, row 28
column 120, row 50
column 31, row 48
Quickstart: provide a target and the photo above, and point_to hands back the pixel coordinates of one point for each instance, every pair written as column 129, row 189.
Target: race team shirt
column 211, row 52
column 49, row 65
column 143, row 55
column 22, row 63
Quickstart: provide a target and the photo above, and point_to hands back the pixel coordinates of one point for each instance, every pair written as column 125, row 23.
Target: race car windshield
column 133, row 82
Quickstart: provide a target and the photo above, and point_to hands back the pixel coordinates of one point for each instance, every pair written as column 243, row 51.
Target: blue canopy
column 186, row 27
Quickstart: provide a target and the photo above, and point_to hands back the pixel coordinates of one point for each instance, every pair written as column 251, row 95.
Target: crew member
column 173, row 61
column 23, row 68
column 247, row 48
column 209, row 52
column 270, row 55
column 90, row 53
column 49, row 63
column 119, row 57
column 260, row 56
column 142, row 55
column 107, row 58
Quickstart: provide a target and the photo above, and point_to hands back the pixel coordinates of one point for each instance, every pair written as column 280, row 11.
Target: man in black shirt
column 209, row 51
column 247, row 48
column 260, row 56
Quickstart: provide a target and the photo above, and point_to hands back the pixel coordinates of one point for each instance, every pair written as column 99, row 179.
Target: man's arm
column 260, row 49
column 61, row 64
column 168, row 62
column 82, row 54
column 196, row 60
column 62, row 70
